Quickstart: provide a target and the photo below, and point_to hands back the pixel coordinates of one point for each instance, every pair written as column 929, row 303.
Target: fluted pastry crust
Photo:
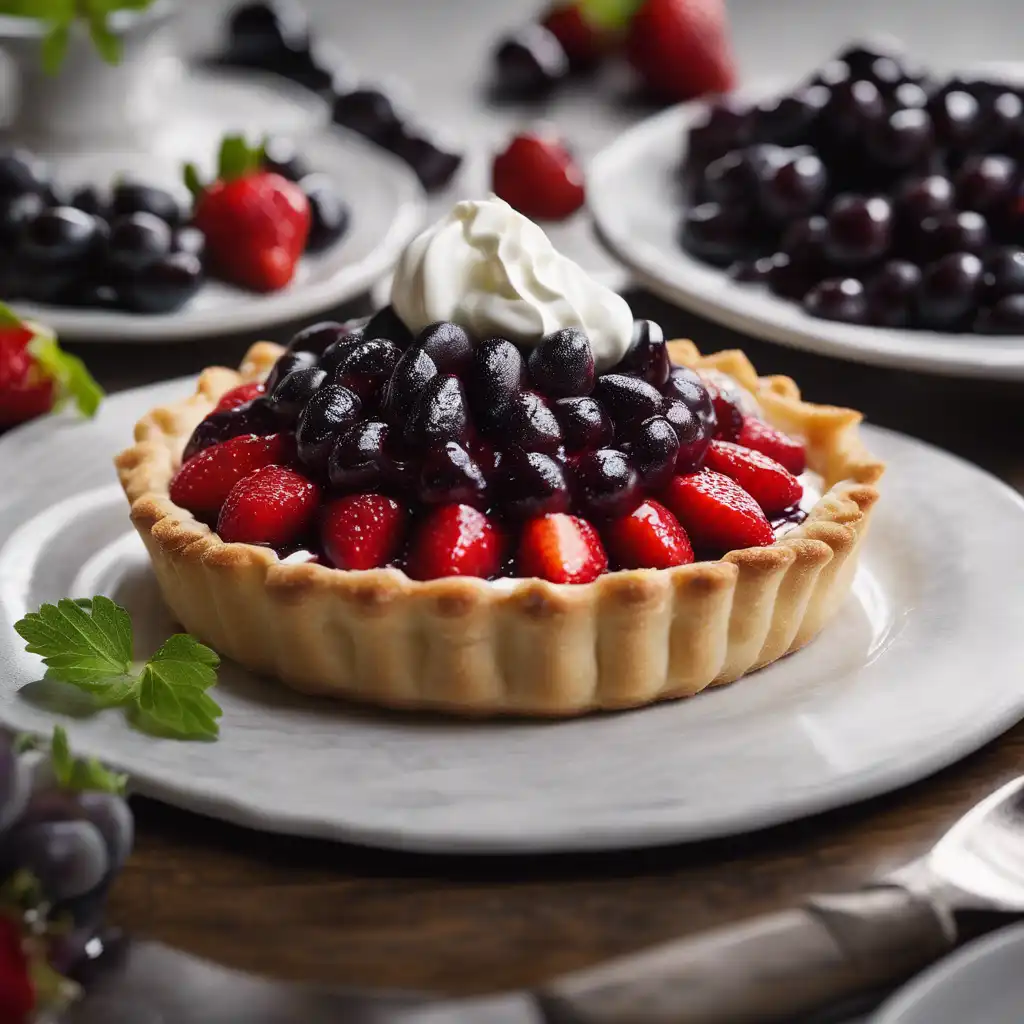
column 519, row 647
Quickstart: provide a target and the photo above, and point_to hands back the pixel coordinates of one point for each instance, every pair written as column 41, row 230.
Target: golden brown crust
column 519, row 647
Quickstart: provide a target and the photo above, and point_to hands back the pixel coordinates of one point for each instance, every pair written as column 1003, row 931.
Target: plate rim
column 957, row 354
column 602, row 836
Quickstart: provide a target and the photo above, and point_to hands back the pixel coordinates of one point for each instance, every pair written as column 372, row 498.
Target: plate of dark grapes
column 142, row 247
column 872, row 212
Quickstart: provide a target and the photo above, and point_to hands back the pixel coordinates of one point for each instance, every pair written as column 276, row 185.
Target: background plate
column 637, row 209
column 921, row 667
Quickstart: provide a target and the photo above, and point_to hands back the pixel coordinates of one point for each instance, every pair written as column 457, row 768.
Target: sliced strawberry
column 681, row 48
column 363, row 531
column 785, row 450
column 717, row 513
column 538, row 176
column 728, row 406
column 650, row 537
column 770, row 484
column 203, row 484
column 239, row 396
column 561, row 548
column 273, row 506
column 455, row 540
column 585, row 43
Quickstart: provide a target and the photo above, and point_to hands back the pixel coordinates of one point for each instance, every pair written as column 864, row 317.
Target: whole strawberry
column 681, row 48
column 538, row 176
column 256, row 222
column 36, row 376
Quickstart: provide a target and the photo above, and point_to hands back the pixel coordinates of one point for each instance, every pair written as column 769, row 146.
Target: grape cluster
column 60, row 848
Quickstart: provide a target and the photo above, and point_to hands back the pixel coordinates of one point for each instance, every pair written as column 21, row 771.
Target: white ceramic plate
column 636, row 206
column 921, row 667
column 980, row 984
column 388, row 207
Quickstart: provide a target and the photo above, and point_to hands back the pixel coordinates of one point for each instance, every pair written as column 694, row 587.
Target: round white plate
column 980, row 984
column 637, row 209
column 388, row 207
column 919, row 669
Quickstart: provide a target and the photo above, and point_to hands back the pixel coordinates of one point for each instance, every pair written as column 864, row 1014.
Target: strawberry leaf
column 74, row 381
column 8, row 318
column 108, row 45
column 612, row 15
column 193, row 182
column 55, row 47
column 238, row 159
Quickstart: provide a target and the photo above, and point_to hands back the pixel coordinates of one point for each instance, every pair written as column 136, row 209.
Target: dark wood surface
column 310, row 910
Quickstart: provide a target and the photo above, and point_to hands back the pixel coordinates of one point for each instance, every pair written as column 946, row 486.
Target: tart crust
column 519, row 647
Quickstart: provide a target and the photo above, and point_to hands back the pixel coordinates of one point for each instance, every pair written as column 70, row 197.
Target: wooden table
column 313, row 910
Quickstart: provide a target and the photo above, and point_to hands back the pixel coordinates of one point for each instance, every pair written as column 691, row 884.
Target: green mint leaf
column 90, row 648
column 55, row 47
column 611, row 15
column 172, row 689
column 107, row 44
column 74, row 381
column 81, row 773
column 8, row 318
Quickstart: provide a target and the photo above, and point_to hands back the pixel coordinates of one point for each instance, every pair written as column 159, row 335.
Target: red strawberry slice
column 256, row 222
column 538, row 176
column 650, row 537
column 455, row 540
column 728, row 407
column 681, row 48
column 770, row 484
column 785, row 450
column 239, row 396
column 717, row 513
column 363, row 531
column 203, row 484
column 561, row 548
column 25, row 391
column 273, row 506
column 585, row 44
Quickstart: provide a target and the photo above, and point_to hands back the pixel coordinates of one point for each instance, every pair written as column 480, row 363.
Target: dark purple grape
column 434, row 164
column 61, row 235
column 1004, row 273
column 496, row 375
column 902, row 140
column 656, row 449
column 924, row 197
column 368, row 112
column 861, row 56
column 16, row 212
column 647, row 356
column 687, row 386
column 804, row 242
column 112, row 816
column 853, row 107
column 629, row 401
column 531, row 484
column 909, row 96
column 732, row 180
column 891, row 294
column 413, row 373
column 331, row 411
column 529, row 62
column 1002, row 123
column 290, row 396
column 329, row 214
column 957, row 119
column 298, row 359
column 715, row 234
column 131, row 197
column 385, row 323
column 320, row 67
column 282, row 156
column 750, row 271
column 790, row 279
column 22, row 172
column 838, row 298
column 136, row 240
column 447, row 344
column 367, row 367
column 985, row 183
column 693, row 429
column 359, row 461
column 723, row 125
column 190, row 240
column 832, row 74
column 529, row 423
column 585, row 425
column 67, row 858
column 440, row 414
column 949, row 291
column 259, row 33
column 450, row 476
column 859, row 230
column 562, row 365
column 255, row 417
column 886, row 73
column 794, row 189
column 163, row 285
column 605, row 485
column 964, row 231
column 1005, row 317
column 789, row 119
column 317, row 338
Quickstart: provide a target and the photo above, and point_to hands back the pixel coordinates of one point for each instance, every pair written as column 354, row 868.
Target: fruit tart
column 499, row 495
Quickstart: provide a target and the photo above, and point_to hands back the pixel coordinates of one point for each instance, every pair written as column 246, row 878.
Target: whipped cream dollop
column 494, row 272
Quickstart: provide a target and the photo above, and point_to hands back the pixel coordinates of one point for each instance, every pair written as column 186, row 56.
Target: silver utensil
column 770, row 968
